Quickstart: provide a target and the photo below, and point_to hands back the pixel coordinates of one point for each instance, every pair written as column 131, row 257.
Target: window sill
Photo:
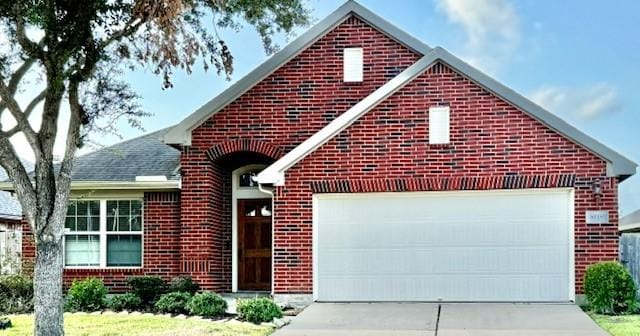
column 102, row 269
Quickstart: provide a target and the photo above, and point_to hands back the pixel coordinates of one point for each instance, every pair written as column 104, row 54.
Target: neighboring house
column 630, row 222
column 629, row 228
column 10, row 229
column 356, row 164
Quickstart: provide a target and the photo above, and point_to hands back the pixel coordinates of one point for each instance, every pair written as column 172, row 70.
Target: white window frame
column 353, row 65
column 439, row 125
column 103, row 234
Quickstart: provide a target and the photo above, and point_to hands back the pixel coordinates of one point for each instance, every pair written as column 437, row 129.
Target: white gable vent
column 352, row 64
column 439, row 125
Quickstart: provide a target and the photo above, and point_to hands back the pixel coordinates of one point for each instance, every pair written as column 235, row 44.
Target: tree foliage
column 78, row 52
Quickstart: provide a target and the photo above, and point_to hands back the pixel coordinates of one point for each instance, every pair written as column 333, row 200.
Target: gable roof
column 617, row 165
column 118, row 166
column 181, row 133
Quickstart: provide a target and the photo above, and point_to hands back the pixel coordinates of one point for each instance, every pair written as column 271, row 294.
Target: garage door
column 450, row 246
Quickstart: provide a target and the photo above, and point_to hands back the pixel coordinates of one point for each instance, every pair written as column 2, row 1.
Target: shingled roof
column 9, row 206
column 143, row 156
column 120, row 166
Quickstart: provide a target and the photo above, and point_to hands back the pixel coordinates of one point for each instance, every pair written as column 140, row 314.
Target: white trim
column 572, row 247
column 274, row 174
column 315, row 217
column 181, row 133
column 314, row 244
column 103, row 233
column 106, row 185
column 237, row 193
column 617, row 164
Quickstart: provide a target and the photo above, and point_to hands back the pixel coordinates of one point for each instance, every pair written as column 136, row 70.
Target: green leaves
column 610, row 289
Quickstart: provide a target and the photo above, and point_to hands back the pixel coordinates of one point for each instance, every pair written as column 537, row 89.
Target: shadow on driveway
column 447, row 319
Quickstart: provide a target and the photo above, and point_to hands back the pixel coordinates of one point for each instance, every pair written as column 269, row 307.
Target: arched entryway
column 252, row 231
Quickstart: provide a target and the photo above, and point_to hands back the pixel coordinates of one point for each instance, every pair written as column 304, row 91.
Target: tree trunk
column 48, row 287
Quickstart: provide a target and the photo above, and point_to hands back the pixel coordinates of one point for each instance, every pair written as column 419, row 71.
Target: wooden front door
column 254, row 244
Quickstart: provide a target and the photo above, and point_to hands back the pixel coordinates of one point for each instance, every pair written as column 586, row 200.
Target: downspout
column 266, row 191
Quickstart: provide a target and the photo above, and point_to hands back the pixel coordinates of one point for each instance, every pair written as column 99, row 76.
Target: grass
column 626, row 325
column 108, row 325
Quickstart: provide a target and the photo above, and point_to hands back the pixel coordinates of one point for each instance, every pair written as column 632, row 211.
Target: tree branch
column 19, row 116
column 16, row 78
column 34, row 50
column 63, row 180
column 34, row 102
column 20, row 178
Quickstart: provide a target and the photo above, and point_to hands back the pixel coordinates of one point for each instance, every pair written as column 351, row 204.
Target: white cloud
column 492, row 30
column 586, row 103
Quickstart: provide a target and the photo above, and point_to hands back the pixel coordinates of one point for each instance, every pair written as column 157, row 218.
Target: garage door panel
column 468, row 246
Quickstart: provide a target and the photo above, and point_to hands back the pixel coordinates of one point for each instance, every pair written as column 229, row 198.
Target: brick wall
column 161, row 244
column 282, row 111
column 493, row 146
column 491, row 141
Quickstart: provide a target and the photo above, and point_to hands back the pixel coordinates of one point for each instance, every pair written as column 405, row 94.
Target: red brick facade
column 161, row 254
column 283, row 110
column 493, row 146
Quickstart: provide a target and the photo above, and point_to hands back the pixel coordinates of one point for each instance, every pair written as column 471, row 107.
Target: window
column 439, row 125
column 246, row 180
column 103, row 233
column 352, row 64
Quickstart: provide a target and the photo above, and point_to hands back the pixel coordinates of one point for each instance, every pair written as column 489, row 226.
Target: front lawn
column 625, row 325
column 76, row 324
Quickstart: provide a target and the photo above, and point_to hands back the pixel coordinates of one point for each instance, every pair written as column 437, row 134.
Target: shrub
column 258, row 310
column 16, row 294
column 86, row 295
column 207, row 304
column 148, row 288
column 609, row 288
column 174, row 303
column 5, row 323
column 183, row 283
column 128, row 301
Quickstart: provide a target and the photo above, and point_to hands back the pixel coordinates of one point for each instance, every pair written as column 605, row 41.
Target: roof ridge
column 617, row 165
column 274, row 174
column 181, row 133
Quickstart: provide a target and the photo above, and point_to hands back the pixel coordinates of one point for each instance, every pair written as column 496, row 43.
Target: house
column 630, row 222
column 356, row 164
column 629, row 229
column 10, row 230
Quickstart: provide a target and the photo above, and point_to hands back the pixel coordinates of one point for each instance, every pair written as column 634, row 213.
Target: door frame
column 569, row 191
column 237, row 193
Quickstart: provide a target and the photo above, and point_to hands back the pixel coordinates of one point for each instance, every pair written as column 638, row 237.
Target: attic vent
column 439, row 125
column 352, row 64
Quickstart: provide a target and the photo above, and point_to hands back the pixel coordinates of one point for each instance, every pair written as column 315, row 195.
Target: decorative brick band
column 445, row 183
column 196, row 266
column 244, row 145
column 164, row 197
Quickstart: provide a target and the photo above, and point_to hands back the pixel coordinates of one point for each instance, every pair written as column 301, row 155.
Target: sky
column 578, row 59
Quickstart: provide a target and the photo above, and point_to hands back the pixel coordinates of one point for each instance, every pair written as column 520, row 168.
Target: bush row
column 180, row 296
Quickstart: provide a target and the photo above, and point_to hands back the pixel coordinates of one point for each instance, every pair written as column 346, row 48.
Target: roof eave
column 112, row 185
column 181, row 133
column 617, row 165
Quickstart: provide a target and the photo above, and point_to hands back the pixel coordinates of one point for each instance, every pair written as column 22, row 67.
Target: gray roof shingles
column 146, row 155
column 143, row 156
column 9, row 205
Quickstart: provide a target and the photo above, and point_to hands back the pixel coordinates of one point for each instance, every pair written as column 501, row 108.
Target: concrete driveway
column 447, row 319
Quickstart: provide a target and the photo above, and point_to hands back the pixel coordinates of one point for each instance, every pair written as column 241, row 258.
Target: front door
column 254, row 244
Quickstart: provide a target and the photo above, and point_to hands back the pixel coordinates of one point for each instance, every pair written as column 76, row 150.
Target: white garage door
column 451, row 246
